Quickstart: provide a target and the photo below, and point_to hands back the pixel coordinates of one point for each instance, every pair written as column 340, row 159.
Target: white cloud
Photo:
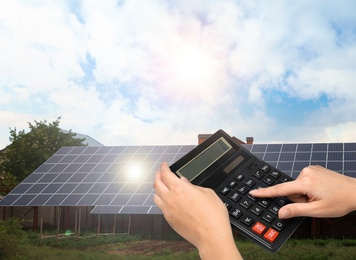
column 118, row 71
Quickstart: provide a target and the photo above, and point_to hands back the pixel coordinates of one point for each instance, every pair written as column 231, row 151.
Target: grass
column 105, row 248
column 303, row 249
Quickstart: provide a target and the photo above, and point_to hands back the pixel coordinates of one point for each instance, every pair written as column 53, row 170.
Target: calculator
column 232, row 171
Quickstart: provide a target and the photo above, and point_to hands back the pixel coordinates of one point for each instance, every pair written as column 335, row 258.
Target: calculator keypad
column 258, row 215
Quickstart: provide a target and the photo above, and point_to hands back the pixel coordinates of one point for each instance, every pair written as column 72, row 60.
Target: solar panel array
column 119, row 179
column 292, row 158
column 112, row 179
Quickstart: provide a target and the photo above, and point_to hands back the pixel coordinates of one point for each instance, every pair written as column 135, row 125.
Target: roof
column 119, row 179
column 89, row 141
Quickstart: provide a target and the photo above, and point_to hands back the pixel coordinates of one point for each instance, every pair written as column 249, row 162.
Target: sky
column 158, row 72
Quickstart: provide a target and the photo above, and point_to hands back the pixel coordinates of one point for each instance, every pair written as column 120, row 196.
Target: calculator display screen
column 203, row 160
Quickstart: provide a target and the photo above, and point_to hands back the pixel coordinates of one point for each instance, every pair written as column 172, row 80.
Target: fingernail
column 283, row 214
column 252, row 191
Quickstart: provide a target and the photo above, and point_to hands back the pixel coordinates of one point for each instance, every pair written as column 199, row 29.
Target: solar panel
column 119, row 179
column 112, row 179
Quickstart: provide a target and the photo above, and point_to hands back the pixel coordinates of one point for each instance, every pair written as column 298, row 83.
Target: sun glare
column 134, row 171
column 191, row 66
column 191, row 71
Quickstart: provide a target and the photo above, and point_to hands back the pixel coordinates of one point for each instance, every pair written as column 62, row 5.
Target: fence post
column 98, row 228
column 114, row 226
column 41, row 235
column 58, row 221
column 80, row 215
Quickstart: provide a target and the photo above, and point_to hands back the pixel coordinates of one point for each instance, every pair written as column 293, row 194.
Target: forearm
column 219, row 247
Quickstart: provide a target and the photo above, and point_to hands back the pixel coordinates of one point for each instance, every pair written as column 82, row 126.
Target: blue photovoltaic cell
column 318, row 156
column 274, row 148
column 24, row 200
column 106, row 210
column 83, row 188
column 33, row 178
column 37, row 188
column 271, row 157
column 320, row 147
column 55, row 200
column 22, row 188
column 39, row 200
column 87, row 200
column 71, row 200
column 335, row 156
column 350, row 146
column 138, row 200
column 47, row 178
column 304, row 147
column 302, row 156
column 258, row 148
column 289, row 147
column 287, row 157
column 350, row 156
column 119, row 179
column 335, row 166
column 68, row 159
column 154, row 210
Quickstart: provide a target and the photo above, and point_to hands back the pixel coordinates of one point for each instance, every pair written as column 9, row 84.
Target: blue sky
column 162, row 72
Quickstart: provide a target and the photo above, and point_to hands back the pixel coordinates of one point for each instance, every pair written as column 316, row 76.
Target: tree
column 28, row 151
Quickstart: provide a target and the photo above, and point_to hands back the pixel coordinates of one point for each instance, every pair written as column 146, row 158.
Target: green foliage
column 7, row 183
column 28, row 151
column 12, row 238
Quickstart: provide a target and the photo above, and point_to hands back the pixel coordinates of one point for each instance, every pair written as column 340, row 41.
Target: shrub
column 12, row 238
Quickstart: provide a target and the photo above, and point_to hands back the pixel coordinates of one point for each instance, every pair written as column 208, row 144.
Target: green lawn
column 293, row 249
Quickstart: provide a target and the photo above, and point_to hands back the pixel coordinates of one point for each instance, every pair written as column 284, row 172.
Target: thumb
column 184, row 179
column 296, row 210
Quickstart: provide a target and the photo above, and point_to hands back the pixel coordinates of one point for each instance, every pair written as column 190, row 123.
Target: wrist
column 219, row 247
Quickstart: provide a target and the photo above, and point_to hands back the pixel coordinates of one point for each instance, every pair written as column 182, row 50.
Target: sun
column 191, row 66
column 134, row 171
column 191, row 71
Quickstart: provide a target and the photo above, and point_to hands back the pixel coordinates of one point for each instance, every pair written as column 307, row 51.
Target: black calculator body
column 232, row 171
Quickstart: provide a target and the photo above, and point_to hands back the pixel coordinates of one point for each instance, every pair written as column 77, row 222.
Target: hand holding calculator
column 231, row 171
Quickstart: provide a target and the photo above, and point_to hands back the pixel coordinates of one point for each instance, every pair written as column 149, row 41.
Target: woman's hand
column 318, row 192
column 196, row 213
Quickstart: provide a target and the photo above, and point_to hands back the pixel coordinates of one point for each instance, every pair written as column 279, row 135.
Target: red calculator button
column 271, row 235
column 258, row 228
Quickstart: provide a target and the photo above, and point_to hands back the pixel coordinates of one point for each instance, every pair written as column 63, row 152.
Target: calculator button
column 240, row 177
column 264, row 202
column 265, row 168
column 235, row 197
column 250, row 183
column 284, row 179
column 251, row 197
column 258, row 174
column 252, row 166
column 243, row 189
column 225, row 191
column 256, row 210
column 271, row 235
column 236, row 213
column 275, row 174
column 274, row 209
column 282, row 201
column 268, row 217
column 279, row 224
column 268, row 180
column 232, row 184
column 247, row 221
column 246, row 203
column 258, row 228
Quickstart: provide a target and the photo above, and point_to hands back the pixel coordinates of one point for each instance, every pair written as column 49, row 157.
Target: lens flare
column 134, row 171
